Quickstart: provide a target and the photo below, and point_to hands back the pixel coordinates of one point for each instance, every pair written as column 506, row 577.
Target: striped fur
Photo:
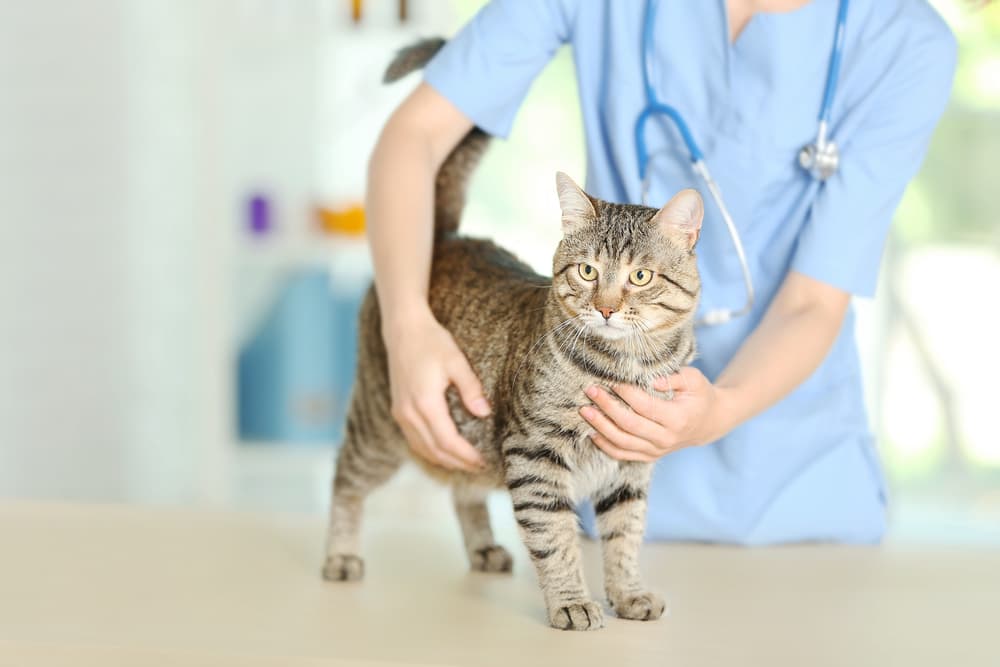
column 536, row 343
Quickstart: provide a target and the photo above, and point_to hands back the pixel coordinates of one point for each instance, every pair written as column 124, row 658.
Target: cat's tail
column 454, row 173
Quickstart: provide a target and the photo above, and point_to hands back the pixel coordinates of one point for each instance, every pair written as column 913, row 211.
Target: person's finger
column 628, row 421
column 419, row 437
column 416, row 434
column 415, row 441
column 445, row 435
column 403, row 416
column 640, row 401
column 469, row 387
column 616, row 452
column 685, row 380
column 665, row 413
column 615, row 435
column 691, row 379
column 668, row 384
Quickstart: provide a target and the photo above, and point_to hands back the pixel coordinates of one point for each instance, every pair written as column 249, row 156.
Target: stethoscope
column 820, row 158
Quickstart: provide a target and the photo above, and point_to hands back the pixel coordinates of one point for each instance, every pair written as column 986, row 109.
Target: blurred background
column 182, row 253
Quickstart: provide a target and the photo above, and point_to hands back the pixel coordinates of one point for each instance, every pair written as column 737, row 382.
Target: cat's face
column 627, row 270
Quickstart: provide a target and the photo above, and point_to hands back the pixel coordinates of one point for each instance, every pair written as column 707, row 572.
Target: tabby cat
column 618, row 309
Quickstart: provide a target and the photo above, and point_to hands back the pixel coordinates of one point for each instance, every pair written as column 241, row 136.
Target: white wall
column 102, row 252
column 131, row 133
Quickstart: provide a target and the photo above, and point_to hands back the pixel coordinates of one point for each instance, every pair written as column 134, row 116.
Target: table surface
column 121, row 585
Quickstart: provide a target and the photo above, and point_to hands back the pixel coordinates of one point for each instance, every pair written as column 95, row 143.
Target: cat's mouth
column 611, row 328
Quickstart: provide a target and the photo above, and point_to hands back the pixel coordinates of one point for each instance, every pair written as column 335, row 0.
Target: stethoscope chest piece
column 820, row 159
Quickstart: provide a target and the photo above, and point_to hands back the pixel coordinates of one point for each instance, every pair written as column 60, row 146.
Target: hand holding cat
column 423, row 362
column 644, row 428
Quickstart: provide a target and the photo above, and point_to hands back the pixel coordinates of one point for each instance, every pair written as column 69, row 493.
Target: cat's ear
column 681, row 217
column 577, row 208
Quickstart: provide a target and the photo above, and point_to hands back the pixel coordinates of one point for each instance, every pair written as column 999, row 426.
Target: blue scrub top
column 807, row 468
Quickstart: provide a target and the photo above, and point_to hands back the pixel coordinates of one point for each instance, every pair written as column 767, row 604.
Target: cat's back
column 475, row 282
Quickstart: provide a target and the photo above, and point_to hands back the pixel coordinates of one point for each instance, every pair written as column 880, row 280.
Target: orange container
column 349, row 220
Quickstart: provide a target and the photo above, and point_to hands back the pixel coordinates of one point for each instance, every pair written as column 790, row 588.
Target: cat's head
column 625, row 269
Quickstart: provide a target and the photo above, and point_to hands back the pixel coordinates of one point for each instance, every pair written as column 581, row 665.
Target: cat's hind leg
column 485, row 555
column 365, row 462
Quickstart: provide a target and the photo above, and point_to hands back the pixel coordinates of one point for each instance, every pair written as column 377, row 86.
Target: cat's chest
column 592, row 470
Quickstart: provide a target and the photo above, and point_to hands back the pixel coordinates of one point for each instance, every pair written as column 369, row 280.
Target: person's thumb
column 469, row 388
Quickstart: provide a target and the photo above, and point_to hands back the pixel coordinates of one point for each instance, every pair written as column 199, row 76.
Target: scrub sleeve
column 881, row 151
column 487, row 69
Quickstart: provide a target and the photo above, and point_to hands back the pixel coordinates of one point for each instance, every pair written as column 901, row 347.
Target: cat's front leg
column 621, row 520
column 539, row 482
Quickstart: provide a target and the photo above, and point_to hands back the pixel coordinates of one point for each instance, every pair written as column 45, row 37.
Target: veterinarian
column 766, row 439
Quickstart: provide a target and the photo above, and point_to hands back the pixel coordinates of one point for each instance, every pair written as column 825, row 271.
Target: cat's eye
column 640, row 277
column 587, row 272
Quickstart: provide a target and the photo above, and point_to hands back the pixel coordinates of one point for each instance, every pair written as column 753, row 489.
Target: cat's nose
column 606, row 312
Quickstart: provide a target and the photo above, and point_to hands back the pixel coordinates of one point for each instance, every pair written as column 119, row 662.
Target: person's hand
column 423, row 362
column 644, row 427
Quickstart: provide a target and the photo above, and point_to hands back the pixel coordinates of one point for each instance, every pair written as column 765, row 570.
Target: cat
column 618, row 309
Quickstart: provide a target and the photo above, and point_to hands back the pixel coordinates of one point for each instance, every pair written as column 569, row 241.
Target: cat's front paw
column 343, row 567
column 578, row 615
column 638, row 606
column 491, row 558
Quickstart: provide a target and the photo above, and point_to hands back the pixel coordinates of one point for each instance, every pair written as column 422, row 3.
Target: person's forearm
column 399, row 205
column 783, row 351
column 400, row 201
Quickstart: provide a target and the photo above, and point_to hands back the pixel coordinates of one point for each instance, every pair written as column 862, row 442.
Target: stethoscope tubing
column 654, row 107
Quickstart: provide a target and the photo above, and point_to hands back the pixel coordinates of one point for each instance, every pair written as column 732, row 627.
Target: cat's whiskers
column 637, row 343
column 568, row 321
column 641, row 346
column 674, row 366
column 583, row 327
column 632, row 367
column 563, row 342
column 654, row 352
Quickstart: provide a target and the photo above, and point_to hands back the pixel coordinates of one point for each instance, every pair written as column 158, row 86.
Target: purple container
column 259, row 221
